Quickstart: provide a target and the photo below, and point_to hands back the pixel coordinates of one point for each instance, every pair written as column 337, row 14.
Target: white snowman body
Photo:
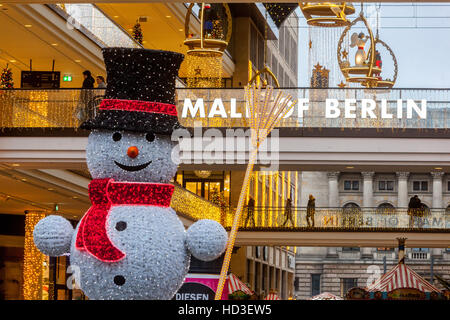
column 156, row 246
column 156, row 260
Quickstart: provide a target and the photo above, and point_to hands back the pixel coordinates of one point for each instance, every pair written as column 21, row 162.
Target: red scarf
column 104, row 194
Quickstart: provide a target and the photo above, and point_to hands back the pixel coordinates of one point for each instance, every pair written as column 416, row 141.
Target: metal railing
column 370, row 219
column 65, row 108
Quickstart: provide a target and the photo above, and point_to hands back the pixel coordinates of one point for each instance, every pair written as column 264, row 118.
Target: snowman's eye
column 117, row 136
column 150, row 137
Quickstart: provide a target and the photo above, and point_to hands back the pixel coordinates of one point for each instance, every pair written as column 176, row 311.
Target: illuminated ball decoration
column 53, row 235
column 206, row 240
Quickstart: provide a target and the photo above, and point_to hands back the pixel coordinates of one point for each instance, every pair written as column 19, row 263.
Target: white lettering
column 331, row 108
column 199, row 106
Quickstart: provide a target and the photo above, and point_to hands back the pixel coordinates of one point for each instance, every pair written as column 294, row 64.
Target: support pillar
column 333, row 189
column 402, row 194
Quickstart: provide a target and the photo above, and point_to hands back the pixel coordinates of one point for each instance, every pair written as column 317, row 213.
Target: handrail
column 61, row 106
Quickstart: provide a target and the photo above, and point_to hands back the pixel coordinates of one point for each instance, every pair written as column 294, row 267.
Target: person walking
column 310, row 211
column 84, row 108
column 250, row 211
column 288, row 213
column 101, row 83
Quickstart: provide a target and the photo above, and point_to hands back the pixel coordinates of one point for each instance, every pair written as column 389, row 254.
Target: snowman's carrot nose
column 133, row 152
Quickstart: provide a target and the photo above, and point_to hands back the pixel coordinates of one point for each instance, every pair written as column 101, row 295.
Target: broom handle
column 235, row 226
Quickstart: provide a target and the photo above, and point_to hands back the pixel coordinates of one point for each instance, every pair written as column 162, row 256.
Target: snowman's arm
column 206, row 240
column 53, row 235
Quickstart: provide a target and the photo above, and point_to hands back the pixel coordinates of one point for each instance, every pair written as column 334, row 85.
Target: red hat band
column 139, row 106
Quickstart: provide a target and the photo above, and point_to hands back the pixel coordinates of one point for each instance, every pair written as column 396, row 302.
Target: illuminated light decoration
column 367, row 68
column 202, row 173
column 193, row 206
column 204, row 54
column 141, row 106
column 104, row 194
column 133, row 245
column 326, row 14
column 265, row 113
column 33, row 259
column 158, row 95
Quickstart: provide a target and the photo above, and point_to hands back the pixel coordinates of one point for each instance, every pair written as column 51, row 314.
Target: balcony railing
column 334, row 219
column 65, row 108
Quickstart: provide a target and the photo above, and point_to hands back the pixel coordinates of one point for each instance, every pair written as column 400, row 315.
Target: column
column 367, row 189
column 333, row 189
column 437, row 189
column 402, row 194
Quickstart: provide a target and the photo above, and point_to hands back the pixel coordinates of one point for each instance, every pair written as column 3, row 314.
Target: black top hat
column 140, row 94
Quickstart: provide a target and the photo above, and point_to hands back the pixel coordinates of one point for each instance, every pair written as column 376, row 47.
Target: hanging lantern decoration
column 215, row 29
column 204, row 55
column 327, row 14
column 366, row 67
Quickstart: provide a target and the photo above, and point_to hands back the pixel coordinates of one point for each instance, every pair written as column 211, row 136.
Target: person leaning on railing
column 415, row 209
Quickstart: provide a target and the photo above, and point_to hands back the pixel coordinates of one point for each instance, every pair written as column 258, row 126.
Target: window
column 385, row 208
column 420, row 185
column 351, row 185
column 448, row 185
column 386, row 185
column 347, row 284
column 315, row 284
column 350, row 249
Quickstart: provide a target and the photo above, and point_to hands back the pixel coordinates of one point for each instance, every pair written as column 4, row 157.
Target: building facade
column 337, row 269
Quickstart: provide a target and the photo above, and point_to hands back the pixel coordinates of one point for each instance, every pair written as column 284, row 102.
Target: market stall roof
column 234, row 284
column 326, row 296
column 401, row 276
column 272, row 296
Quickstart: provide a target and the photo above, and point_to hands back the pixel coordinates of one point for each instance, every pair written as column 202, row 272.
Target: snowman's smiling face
column 131, row 156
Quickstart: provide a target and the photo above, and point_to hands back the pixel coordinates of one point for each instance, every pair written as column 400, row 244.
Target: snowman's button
column 121, row 225
column 119, row 280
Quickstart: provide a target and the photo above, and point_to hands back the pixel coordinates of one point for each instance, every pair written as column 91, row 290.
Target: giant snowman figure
column 131, row 244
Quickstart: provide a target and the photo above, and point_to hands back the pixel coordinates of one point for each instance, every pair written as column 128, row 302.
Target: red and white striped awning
column 272, row 296
column 326, row 296
column 234, row 284
column 401, row 276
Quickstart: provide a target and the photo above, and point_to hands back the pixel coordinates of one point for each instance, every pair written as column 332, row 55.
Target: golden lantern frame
column 361, row 74
column 366, row 75
column 256, row 79
column 327, row 14
column 387, row 83
column 202, row 45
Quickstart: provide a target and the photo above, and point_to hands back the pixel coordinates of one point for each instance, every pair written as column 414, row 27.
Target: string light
column 265, row 113
column 33, row 259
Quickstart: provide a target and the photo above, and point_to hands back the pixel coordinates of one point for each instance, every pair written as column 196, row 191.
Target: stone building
column 336, row 270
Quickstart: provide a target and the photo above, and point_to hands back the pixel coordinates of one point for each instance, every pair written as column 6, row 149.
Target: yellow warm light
column 193, row 206
column 33, row 260
column 265, row 112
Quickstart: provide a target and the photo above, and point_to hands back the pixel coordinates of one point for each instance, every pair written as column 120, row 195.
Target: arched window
column 447, row 211
column 385, row 208
column 351, row 207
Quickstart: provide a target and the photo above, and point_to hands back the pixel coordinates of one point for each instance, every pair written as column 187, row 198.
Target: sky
column 418, row 34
